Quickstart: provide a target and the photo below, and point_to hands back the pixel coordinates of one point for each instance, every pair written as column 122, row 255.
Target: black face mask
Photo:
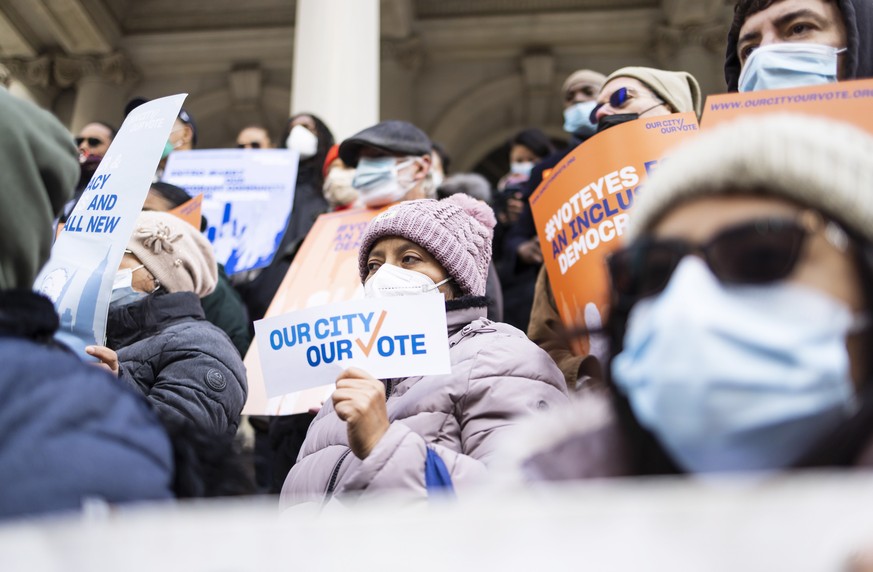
column 608, row 121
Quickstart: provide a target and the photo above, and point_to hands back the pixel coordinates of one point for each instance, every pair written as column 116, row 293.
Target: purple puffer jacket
column 497, row 376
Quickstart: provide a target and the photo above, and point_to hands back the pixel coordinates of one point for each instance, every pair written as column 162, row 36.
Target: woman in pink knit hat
column 375, row 435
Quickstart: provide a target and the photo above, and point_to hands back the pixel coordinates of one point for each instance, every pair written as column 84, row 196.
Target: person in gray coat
column 375, row 435
column 187, row 367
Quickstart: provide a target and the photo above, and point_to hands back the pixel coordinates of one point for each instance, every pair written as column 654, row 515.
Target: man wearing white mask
column 776, row 44
column 391, row 161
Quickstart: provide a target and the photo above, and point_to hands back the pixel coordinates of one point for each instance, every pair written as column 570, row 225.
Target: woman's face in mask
column 410, row 256
column 304, row 120
column 821, row 264
column 640, row 99
column 142, row 279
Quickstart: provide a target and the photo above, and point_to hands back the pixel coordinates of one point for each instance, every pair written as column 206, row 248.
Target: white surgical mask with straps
column 390, row 280
column 789, row 64
column 737, row 378
column 122, row 288
column 379, row 181
column 303, row 141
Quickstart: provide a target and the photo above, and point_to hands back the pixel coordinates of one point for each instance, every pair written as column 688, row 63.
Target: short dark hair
column 535, row 140
column 174, row 195
column 112, row 130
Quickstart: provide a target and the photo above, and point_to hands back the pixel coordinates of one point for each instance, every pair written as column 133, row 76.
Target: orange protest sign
column 189, row 211
column 848, row 101
column 581, row 210
column 325, row 270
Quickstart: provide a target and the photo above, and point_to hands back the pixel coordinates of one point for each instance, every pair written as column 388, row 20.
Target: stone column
column 336, row 63
column 100, row 82
column 538, row 72
column 693, row 39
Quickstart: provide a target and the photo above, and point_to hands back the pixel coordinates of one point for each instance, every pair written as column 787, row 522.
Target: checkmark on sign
column 367, row 348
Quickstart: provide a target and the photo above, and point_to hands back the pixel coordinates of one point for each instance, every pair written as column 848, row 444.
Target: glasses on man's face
column 617, row 99
column 760, row 251
column 91, row 141
column 252, row 145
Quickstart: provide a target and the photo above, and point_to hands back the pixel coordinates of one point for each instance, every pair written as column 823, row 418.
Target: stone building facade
column 469, row 72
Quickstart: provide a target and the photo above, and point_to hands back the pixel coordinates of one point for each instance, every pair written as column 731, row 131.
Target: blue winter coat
column 69, row 432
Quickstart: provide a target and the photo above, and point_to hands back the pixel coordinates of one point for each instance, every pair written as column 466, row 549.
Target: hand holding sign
column 359, row 400
column 108, row 358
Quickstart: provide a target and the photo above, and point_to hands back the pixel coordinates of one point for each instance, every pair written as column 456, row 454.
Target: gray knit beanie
column 822, row 164
column 175, row 253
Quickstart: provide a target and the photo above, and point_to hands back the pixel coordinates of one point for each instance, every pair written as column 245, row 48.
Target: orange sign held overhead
column 189, row 211
column 581, row 211
column 325, row 270
column 848, row 101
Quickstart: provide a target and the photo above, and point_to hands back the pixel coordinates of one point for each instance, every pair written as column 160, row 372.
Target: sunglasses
column 757, row 252
column 618, row 99
column 92, row 141
column 252, row 145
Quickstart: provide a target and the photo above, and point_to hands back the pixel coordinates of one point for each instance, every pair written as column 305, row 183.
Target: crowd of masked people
column 736, row 341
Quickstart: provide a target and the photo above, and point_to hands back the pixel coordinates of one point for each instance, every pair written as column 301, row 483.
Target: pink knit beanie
column 175, row 253
column 457, row 231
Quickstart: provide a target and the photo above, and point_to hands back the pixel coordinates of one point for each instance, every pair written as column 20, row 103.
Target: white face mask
column 122, row 288
column 789, row 64
column 303, row 141
column 390, row 280
column 736, row 378
column 379, row 180
column 521, row 168
column 338, row 188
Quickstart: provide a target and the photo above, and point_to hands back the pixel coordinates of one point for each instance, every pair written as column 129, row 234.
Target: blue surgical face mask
column 789, row 64
column 736, row 378
column 577, row 118
column 379, row 181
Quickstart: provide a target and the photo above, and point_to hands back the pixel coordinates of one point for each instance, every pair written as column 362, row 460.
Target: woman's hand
column 108, row 358
column 359, row 400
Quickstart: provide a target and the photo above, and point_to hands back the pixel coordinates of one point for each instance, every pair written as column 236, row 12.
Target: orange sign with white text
column 580, row 212
column 325, row 270
column 847, row 101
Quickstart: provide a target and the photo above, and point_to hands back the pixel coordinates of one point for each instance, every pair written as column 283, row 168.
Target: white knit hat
column 823, row 164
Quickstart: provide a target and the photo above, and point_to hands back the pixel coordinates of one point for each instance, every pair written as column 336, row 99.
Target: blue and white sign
column 247, row 199
column 386, row 337
column 79, row 274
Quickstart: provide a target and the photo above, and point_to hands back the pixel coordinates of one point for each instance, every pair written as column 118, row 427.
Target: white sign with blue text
column 79, row 274
column 247, row 199
column 386, row 337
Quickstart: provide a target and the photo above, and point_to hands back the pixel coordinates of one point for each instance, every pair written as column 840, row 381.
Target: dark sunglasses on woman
column 760, row 251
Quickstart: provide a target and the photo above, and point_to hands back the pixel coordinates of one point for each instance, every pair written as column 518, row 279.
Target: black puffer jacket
column 187, row 367
column 858, row 16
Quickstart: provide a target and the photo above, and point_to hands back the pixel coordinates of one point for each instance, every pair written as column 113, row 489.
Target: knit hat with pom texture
column 457, row 231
